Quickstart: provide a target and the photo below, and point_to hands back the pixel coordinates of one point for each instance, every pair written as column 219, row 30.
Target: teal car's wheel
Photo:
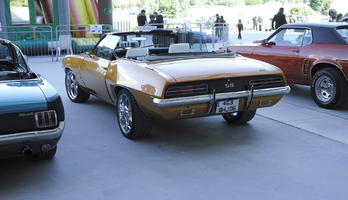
column 73, row 89
column 241, row 117
column 132, row 120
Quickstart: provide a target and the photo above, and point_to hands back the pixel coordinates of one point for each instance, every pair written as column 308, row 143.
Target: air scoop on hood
column 213, row 68
column 21, row 96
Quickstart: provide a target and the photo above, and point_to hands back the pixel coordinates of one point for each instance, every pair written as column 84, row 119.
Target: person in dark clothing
column 279, row 19
column 222, row 24
column 240, row 28
column 141, row 18
column 152, row 19
column 159, row 20
column 216, row 25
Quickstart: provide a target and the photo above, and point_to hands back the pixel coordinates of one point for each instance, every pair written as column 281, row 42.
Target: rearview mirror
column 271, row 43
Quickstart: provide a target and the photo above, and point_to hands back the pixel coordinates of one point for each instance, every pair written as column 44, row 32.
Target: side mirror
column 271, row 43
column 264, row 42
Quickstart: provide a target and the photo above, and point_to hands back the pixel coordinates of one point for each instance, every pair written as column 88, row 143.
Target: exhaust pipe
column 27, row 151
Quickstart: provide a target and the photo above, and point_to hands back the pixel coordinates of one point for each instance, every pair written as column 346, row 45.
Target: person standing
column 240, row 28
column 222, row 24
column 216, row 25
column 260, row 21
column 159, row 20
column 255, row 23
column 279, row 19
column 152, row 19
column 141, row 18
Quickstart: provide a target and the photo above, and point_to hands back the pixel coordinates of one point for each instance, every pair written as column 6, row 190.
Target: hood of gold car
column 213, row 68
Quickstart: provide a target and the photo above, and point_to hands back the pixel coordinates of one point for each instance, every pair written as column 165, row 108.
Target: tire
column 132, row 121
column 329, row 88
column 73, row 89
column 45, row 155
column 241, row 117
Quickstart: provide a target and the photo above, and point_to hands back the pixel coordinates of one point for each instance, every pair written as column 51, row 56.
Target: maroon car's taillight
column 46, row 119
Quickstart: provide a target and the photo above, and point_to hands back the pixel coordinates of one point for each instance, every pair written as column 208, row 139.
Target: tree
column 168, row 8
column 320, row 5
column 254, row 2
column 19, row 3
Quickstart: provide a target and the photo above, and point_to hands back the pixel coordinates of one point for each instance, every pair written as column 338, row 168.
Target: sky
column 340, row 5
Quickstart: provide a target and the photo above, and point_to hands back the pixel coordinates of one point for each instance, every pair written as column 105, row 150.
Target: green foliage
column 168, row 8
column 18, row 3
column 320, row 5
column 178, row 8
column 301, row 11
column 254, row 2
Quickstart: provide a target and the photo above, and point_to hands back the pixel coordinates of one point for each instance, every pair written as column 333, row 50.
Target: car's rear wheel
column 73, row 89
column 133, row 122
column 240, row 117
column 329, row 88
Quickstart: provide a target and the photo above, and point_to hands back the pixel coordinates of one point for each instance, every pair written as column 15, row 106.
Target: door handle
column 296, row 51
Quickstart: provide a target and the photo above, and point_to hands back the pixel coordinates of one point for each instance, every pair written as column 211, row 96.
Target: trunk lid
column 21, row 96
column 213, row 68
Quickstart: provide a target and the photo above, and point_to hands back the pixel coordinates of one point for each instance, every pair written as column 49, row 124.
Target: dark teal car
column 31, row 110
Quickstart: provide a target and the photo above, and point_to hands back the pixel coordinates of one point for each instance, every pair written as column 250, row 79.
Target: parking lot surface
column 294, row 150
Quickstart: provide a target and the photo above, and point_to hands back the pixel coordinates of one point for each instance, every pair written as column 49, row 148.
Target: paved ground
column 294, row 150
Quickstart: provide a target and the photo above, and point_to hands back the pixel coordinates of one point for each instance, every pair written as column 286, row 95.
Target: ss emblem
column 229, row 85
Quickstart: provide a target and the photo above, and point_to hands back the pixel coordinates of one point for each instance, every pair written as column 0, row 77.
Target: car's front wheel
column 73, row 89
column 133, row 122
column 329, row 88
column 240, row 117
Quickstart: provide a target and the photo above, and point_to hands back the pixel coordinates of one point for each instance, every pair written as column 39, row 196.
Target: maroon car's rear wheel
column 132, row 120
column 73, row 89
column 329, row 88
column 240, row 117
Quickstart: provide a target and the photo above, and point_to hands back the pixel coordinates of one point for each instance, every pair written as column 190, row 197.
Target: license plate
column 227, row 106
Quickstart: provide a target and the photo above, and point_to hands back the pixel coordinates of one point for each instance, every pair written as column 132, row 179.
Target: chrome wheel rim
column 125, row 113
column 71, row 85
column 325, row 89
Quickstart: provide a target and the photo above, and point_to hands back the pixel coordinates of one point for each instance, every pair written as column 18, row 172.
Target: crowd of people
column 257, row 23
column 156, row 19
column 219, row 25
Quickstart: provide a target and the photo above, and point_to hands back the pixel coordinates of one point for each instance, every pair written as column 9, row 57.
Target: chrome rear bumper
column 219, row 96
column 19, row 138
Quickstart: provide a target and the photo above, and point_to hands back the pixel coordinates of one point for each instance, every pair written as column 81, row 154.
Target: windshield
column 12, row 68
column 163, row 40
column 344, row 33
column 5, row 55
column 138, row 45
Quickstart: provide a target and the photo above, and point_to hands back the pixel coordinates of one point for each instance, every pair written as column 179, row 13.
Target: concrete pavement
column 294, row 150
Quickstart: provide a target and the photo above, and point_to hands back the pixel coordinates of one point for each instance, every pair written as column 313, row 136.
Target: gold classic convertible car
column 163, row 74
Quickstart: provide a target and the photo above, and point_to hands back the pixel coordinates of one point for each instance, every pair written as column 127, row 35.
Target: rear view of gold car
column 157, row 75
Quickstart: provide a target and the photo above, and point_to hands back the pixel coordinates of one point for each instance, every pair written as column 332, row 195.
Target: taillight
column 46, row 119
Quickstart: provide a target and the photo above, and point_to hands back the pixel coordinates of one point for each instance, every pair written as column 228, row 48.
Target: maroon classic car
column 309, row 54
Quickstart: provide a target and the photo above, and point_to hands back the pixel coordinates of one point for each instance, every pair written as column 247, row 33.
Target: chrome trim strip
column 32, row 135
column 219, row 96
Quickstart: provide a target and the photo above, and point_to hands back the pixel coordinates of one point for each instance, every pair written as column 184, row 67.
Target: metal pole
column 64, row 12
column 105, row 12
column 3, row 22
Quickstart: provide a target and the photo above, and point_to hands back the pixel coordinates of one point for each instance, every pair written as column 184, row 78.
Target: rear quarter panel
column 335, row 55
column 144, row 83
